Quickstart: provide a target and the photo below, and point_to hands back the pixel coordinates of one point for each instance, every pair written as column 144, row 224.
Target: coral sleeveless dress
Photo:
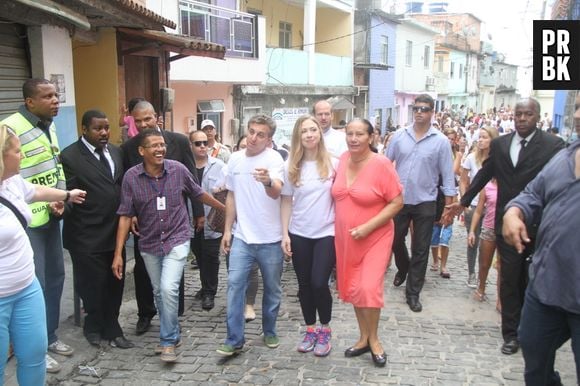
column 361, row 264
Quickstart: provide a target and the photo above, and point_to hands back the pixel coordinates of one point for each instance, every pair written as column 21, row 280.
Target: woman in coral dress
column 367, row 195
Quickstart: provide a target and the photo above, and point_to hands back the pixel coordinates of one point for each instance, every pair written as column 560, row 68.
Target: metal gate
column 14, row 66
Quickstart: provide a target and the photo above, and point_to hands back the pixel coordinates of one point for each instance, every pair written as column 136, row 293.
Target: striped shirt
column 160, row 229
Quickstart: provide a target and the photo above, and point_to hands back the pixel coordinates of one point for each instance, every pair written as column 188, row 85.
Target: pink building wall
column 187, row 94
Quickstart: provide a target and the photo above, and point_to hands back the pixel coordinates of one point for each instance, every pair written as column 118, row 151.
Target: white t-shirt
column 312, row 207
column 470, row 164
column 335, row 142
column 16, row 255
column 257, row 214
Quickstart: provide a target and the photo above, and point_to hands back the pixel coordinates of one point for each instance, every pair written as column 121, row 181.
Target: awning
column 340, row 103
column 182, row 45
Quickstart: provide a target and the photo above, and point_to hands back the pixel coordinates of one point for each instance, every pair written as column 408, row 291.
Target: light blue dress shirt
column 419, row 164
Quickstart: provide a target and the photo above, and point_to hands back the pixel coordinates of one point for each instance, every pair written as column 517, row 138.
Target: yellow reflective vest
column 40, row 163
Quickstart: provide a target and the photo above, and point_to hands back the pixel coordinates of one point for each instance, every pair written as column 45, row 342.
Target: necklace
column 360, row 160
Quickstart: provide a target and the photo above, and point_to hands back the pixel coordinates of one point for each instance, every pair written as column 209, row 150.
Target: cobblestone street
column 454, row 341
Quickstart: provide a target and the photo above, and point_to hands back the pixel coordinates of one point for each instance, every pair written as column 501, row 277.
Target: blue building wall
column 382, row 82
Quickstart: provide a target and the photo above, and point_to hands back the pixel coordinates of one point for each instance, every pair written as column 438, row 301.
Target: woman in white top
column 469, row 169
column 22, row 311
column 308, row 228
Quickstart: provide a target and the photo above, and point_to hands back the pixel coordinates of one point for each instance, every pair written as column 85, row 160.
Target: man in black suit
column 514, row 160
column 90, row 229
column 178, row 149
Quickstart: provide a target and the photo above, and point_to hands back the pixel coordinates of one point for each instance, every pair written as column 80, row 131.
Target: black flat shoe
column 380, row 360
column 121, row 342
column 399, row 279
column 94, row 338
column 355, row 352
column 414, row 304
column 143, row 325
column 207, row 303
column 511, row 347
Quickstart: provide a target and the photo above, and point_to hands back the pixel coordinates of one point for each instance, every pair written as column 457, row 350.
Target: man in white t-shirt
column 254, row 181
column 334, row 140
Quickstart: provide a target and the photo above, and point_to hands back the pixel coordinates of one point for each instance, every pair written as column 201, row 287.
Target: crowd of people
column 338, row 200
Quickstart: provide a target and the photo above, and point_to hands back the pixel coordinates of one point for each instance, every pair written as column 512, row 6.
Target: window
column 440, row 63
column 285, row 36
column 460, row 70
column 452, row 70
column 427, row 56
column 409, row 53
column 384, row 49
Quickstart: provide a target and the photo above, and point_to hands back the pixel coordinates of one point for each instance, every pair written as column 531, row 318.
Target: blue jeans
column 165, row 273
column 49, row 265
column 242, row 257
column 543, row 330
column 23, row 322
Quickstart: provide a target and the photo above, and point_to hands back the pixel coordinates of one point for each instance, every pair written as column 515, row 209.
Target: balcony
column 290, row 67
column 234, row 30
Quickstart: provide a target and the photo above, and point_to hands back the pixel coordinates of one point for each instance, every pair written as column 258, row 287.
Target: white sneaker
column 249, row 313
column 60, row 348
column 52, row 366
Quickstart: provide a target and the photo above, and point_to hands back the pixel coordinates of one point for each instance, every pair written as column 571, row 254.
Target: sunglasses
column 199, row 143
column 421, row 109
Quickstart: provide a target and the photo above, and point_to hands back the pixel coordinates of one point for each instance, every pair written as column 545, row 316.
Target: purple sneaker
column 323, row 346
column 309, row 340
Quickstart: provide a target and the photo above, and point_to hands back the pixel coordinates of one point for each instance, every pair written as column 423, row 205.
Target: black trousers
column 144, row 289
column 101, row 292
column 313, row 260
column 207, row 252
column 414, row 267
column 513, row 280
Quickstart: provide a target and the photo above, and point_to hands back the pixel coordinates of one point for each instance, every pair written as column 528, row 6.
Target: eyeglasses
column 156, row 146
column 421, row 109
column 199, row 143
column 207, row 128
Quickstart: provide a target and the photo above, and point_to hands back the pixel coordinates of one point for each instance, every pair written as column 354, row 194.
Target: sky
column 508, row 22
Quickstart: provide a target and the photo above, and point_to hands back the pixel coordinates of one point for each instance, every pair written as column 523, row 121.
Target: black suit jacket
column 91, row 226
column 178, row 149
column 511, row 180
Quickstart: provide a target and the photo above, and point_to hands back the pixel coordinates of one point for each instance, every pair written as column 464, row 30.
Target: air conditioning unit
column 430, row 81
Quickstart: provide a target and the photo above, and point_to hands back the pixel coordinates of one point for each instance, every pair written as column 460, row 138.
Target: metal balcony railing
column 233, row 29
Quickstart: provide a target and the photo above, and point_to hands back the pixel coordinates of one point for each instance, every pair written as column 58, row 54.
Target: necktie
column 522, row 147
column 103, row 160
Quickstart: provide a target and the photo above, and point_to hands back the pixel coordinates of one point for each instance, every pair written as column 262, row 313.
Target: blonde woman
column 22, row 309
column 469, row 169
column 308, row 229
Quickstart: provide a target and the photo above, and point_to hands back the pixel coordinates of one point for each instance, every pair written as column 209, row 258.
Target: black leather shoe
column 355, row 352
column 510, row 347
column 143, row 325
column 380, row 360
column 414, row 304
column 121, row 342
column 207, row 303
column 198, row 295
column 94, row 338
column 399, row 279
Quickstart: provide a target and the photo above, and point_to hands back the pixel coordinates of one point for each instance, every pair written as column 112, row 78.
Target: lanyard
column 154, row 186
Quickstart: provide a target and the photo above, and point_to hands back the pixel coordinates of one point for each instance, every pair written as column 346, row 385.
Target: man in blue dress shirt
column 421, row 154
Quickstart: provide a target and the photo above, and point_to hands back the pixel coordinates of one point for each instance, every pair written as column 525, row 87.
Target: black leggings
column 313, row 260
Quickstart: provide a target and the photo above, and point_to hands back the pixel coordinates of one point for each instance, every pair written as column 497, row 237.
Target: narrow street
column 454, row 341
